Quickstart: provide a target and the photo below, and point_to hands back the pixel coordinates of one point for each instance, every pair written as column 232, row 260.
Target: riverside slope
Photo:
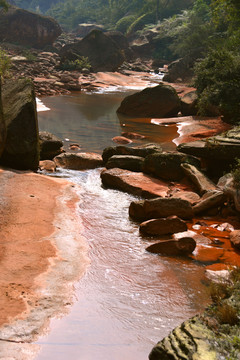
column 41, row 257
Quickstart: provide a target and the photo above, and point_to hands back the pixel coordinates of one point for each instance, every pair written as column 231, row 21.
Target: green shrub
column 5, row 64
column 218, row 83
column 81, row 63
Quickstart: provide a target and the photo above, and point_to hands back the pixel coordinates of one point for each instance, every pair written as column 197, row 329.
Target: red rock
column 47, row 165
column 78, row 161
column 131, row 135
column 169, row 225
column 121, row 140
column 135, row 183
column 160, row 207
column 190, row 196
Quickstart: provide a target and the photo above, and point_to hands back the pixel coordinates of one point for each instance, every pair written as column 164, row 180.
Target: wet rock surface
column 134, row 183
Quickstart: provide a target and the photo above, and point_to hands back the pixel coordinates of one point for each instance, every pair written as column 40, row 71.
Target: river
column 128, row 299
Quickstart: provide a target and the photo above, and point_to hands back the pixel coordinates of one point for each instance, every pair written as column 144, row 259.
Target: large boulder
column 167, row 165
column 2, row 124
column 159, row 101
column 102, row 52
column 159, row 208
column 79, row 161
column 122, row 43
column 169, row 225
column 50, row 145
column 21, row 150
column 141, row 151
column 26, row 28
column 127, row 162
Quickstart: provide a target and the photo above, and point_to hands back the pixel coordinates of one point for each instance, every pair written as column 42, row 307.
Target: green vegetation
column 108, row 12
column 5, row 64
column 79, row 64
column 3, row 4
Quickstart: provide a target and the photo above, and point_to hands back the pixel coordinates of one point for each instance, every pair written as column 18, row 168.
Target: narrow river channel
column 128, row 299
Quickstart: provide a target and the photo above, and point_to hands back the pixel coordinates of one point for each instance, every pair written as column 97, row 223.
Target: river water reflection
column 128, row 299
column 91, row 121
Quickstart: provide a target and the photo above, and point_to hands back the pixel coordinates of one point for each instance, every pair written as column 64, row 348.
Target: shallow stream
column 128, row 299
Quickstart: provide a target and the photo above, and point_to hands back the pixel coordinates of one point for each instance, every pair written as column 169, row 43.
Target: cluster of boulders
column 159, row 176
column 173, row 185
column 42, row 68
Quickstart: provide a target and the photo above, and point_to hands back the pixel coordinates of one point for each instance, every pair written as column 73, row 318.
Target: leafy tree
column 4, row 4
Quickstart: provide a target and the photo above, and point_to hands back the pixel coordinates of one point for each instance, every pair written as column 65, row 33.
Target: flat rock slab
column 134, row 183
column 79, row 161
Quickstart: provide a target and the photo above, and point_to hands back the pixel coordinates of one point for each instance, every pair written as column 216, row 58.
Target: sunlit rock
column 158, row 101
column 160, row 207
column 78, row 161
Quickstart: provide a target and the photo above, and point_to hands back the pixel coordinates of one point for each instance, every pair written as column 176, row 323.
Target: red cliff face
column 26, row 28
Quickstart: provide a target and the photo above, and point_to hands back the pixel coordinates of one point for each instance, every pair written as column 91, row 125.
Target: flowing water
column 128, row 299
